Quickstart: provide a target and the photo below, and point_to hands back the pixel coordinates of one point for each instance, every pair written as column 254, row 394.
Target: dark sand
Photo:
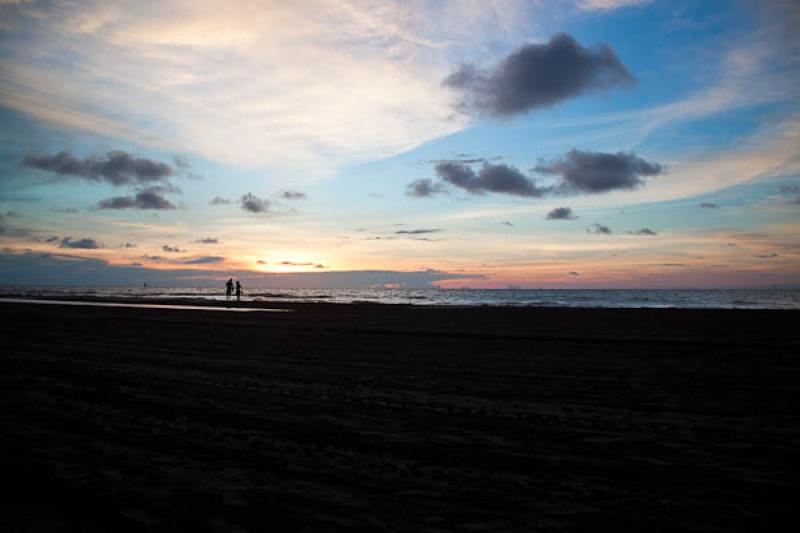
column 366, row 417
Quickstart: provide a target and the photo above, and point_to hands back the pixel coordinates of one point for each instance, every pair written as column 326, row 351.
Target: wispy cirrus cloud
column 607, row 5
column 184, row 64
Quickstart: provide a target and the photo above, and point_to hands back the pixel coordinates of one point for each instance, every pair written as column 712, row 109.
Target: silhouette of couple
column 229, row 290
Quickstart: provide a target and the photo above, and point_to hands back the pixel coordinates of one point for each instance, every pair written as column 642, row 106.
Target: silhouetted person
column 238, row 291
column 229, row 289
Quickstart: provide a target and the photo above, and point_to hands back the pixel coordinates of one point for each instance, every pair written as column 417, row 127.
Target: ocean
column 619, row 298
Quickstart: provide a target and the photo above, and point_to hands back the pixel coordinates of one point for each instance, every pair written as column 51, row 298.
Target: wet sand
column 392, row 418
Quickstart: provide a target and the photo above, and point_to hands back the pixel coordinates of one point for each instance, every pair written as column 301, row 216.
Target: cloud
column 506, row 223
column 254, row 204
column 296, row 264
column 490, row 178
column 115, row 167
column 219, row 200
column 643, row 231
column 172, row 249
column 150, row 198
column 127, row 245
column 791, row 189
column 54, row 269
column 293, row 195
column 203, row 260
column 607, row 5
column 767, row 256
column 561, row 213
column 208, row 240
column 598, row 172
column 709, row 205
column 261, row 262
column 537, row 76
column 424, row 188
column 599, row 229
column 184, row 63
column 417, row 231
column 578, row 172
column 573, row 273
column 85, row 243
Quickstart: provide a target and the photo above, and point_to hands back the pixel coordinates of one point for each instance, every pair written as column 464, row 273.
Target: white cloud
column 294, row 86
column 594, row 5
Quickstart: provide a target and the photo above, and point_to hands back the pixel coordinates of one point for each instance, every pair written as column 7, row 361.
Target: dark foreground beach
column 386, row 418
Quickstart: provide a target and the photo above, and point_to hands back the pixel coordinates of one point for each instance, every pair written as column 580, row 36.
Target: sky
column 349, row 143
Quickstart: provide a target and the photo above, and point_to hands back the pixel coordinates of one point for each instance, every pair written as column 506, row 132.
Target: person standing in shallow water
column 238, row 291
column 229, row 289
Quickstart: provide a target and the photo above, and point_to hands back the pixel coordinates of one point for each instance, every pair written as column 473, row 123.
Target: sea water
column 680, row 298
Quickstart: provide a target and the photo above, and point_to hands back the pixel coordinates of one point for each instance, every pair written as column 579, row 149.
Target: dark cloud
column 261, row 262
column 85, row 243
column 116, row 167
column 599, row 229
column 293, row 195
column 417, row 231
column 203, row 260
column 674, row 265
column 172, row 249
column 149, row 198
column 538, row 75
column 424, row 188
column 597, row 172
column 767, row 256
column 208, row 240
column 573, row 273
column 577, row 171
column 295, row 263
column 643, row 231
column 791, row 189
column 60, row 269
column 561, row 213
column 67, row 210
column 709, row 205
column 254, row 204
column 490, row 178
column 219, row 200
column 51, row 240
column 506, row 223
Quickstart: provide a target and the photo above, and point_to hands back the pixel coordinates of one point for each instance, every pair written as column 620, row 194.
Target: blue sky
column 311, row 122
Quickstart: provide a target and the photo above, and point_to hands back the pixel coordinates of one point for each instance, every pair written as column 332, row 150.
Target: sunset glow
column 183, row 142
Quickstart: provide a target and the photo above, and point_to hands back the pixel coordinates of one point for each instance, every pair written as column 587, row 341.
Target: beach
column 397, row 418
